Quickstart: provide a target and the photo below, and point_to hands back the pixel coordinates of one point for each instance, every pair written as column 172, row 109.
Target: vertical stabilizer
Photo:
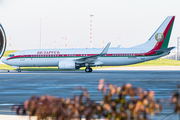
column 162, row 35
column 160, row 38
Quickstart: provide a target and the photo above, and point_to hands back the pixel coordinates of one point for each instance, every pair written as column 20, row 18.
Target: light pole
column 62, row 42
column 10, row 43
column 91, row 16
column 119, row 40
column 103, row 43
column 40, row 31
column 177, row 57
column 54, row 43
column 65, row 42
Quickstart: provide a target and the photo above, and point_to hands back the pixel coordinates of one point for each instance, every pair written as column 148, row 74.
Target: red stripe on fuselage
column 73, row 55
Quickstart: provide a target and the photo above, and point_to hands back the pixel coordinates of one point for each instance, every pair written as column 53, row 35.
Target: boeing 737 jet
column 155, row 47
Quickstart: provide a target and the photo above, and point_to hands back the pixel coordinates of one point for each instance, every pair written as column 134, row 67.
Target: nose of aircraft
column 4, row 60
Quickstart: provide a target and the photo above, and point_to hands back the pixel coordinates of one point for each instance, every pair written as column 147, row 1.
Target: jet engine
column 66, row 65
column 2, row 41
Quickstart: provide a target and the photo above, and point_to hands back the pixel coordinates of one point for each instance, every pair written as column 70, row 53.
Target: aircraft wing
column 94, row 57
column 165, row 50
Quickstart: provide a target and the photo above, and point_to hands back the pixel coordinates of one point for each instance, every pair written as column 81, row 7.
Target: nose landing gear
column 88, row 69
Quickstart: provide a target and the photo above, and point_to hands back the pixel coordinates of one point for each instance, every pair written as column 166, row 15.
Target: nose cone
column 4, row 60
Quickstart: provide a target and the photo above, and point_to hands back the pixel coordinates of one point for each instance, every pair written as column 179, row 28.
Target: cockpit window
column 11, row 55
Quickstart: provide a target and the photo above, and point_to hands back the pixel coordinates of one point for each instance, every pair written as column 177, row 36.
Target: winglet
column 105, row 50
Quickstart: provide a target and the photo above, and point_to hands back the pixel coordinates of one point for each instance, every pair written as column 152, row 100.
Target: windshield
column 11, row 55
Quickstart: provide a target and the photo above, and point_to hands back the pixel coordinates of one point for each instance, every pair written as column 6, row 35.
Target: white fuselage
column 51, row 57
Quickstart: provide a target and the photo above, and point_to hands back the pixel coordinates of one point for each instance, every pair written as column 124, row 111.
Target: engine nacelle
column 2, row 41
column 66, row 65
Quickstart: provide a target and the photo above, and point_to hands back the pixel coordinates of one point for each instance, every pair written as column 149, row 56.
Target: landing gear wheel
column 88, row 70
column 7, row 70
column 19, row 70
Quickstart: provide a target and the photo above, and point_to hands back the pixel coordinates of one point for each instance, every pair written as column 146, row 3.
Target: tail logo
column 159, row 37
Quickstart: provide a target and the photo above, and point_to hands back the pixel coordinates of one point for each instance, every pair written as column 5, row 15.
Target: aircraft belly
column 119, row 61
column 39, row 62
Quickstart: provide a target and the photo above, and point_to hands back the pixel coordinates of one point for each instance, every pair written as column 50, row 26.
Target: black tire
column 90, row 69
column 87, row 70
column 19, row 70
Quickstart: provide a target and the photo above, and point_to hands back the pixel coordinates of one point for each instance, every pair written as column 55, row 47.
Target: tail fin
column 162, row 35
column 160, row 38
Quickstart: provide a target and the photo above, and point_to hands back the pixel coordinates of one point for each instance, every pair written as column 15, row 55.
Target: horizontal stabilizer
column 165, row 50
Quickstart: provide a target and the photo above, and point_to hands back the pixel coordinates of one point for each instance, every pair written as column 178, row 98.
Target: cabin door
column 143, row 54
column 22, row 56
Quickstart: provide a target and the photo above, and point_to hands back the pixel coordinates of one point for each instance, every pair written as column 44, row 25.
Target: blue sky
column 134, row 21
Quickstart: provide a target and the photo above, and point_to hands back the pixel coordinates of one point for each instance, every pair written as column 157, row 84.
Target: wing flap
column 94, row 57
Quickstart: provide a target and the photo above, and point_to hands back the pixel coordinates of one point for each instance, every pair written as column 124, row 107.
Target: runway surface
column 17, row 87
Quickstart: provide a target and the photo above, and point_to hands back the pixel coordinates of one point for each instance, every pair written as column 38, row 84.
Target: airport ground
column 16, row 87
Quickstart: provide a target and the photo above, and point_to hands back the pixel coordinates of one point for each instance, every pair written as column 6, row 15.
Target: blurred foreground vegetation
column 124, row 102
column 119, row 103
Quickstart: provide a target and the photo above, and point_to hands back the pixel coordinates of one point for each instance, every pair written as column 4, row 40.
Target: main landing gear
column 19, row 70
column 88, row 69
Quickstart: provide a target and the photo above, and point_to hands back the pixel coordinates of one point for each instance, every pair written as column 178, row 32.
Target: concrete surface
column 16, row 87
column 143, row 68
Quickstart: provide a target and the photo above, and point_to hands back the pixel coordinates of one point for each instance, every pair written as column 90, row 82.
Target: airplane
column 154, row 48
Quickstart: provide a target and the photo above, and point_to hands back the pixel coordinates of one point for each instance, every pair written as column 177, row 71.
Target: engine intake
column 66, row 65
column 2, row 41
